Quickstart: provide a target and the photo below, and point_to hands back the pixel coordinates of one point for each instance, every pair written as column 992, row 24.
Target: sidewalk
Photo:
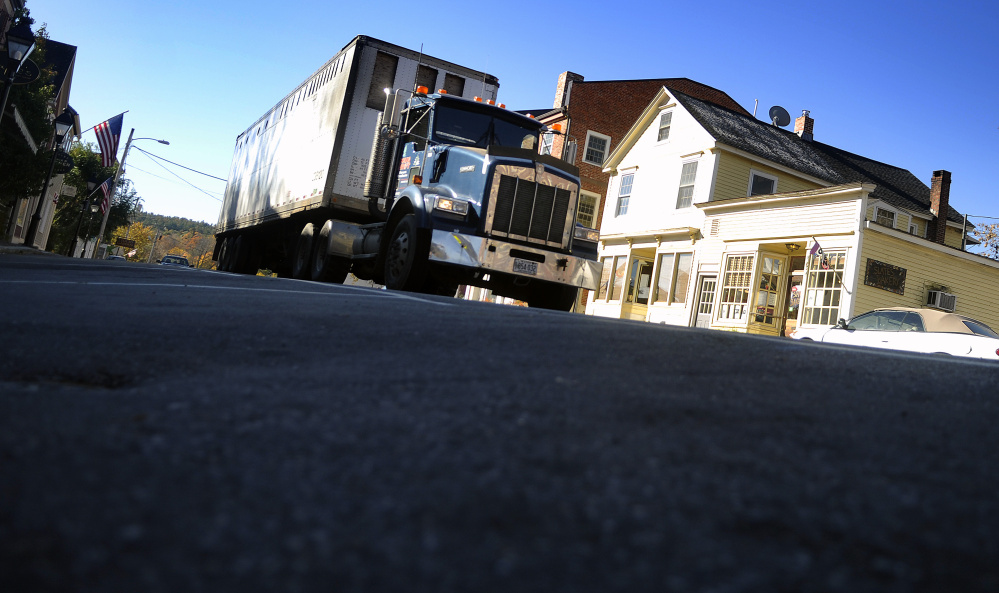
column 11, row 249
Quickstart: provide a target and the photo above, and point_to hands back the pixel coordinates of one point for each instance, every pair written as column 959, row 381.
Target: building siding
column 732, row 180
column 973, row 279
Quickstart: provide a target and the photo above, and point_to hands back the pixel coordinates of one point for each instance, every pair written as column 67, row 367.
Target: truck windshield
column 473, row 128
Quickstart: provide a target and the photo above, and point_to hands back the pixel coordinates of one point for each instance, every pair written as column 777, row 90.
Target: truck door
column 411, row 163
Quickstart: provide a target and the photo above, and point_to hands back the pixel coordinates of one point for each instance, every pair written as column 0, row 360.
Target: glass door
column 768, row 302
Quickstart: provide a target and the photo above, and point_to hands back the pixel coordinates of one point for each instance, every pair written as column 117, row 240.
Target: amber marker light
column 478, row 99
column 422, row 90
column 441, row 91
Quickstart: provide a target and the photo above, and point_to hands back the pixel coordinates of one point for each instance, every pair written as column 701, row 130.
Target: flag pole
column 114, row 187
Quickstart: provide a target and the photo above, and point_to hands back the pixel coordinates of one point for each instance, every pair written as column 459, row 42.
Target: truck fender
column 410, row 201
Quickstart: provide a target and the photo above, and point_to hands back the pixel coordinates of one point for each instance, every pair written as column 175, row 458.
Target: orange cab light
column 502, row 105
column 478, row 99
column 422, row 90
column 491, row 102
column 441, row 91
column 557, row 127
column 530, row 115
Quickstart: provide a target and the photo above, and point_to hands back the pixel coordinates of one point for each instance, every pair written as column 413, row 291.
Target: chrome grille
column 530, row 211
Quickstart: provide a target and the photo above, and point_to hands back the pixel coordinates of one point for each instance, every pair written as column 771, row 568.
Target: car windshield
column 474, row 128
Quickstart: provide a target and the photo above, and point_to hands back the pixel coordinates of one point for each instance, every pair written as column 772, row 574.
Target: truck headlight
column 451, row 205
column 587, row 234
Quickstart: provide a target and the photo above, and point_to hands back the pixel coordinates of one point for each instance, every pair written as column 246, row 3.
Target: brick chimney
column 939, row 206
column 803, row 126
column 565, row 81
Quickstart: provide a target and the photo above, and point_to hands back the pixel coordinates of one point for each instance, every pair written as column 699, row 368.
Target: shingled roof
column 895, row 186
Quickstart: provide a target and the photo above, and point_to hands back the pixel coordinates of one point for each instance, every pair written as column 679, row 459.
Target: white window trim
column 693, row 194
column 596, row 205
column 659, row 124
column 757, row 173
column 607, row 149
column 886, row 209
column 617, row 199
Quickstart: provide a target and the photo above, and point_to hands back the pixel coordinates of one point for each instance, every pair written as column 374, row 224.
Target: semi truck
column 363, row 170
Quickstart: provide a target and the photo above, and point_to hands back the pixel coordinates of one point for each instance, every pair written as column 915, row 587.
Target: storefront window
column 672, row 278
column 620, row 269
column 766, row 295
column 823, row 289
column 734, row 303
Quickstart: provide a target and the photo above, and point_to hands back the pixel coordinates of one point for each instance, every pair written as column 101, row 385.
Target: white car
column 913, row 330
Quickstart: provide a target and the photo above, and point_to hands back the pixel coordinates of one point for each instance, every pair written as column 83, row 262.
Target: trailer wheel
column 303, row 254
column 406, row 257
column 326, row 267
column 225, row 255
column 557, row 298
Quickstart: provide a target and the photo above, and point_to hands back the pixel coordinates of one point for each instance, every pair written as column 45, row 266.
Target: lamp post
column 86, row 204
column 114, row 184
column 62, row 125
column 20, row 44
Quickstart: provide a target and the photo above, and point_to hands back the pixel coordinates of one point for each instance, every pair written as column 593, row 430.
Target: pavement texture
column 179, row 430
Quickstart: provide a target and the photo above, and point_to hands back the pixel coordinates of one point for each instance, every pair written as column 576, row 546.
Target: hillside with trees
column 156, row 235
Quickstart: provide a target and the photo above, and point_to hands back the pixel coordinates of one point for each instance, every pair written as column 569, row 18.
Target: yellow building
column 718, row 220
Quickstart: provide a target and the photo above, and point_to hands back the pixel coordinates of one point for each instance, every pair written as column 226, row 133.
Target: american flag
column 106, row 200
column 108, row 135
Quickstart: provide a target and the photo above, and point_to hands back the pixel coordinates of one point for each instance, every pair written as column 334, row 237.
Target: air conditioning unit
column 939, row 299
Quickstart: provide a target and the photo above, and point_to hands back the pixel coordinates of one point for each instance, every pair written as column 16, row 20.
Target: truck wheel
column 225, row 255
column 303, row 254
column 326, row 267
column 240, row 257
column 406, row 257
column 554, row 297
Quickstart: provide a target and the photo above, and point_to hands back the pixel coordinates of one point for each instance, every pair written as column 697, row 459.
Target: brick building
column 595, row 115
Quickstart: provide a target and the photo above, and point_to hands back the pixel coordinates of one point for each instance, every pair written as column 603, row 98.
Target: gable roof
column 895, row 186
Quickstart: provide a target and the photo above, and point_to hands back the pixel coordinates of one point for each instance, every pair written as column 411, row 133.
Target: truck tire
column 554, row 297
column 406, row 257
column 326, row 267
column 225, row 255
column 302, row 258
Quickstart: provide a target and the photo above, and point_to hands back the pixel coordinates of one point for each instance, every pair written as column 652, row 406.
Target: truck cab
column 489, row 209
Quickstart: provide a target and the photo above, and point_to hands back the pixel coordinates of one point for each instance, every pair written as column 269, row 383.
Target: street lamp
column 20, row 44
column 86, row 204
column 63, row 123
column 114, row 184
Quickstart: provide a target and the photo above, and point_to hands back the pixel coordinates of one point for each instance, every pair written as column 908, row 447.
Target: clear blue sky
column 913, row 84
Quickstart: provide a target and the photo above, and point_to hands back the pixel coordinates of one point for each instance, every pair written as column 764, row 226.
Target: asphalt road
column 179, row 430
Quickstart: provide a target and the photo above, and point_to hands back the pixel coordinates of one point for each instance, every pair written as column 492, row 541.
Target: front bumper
column 490, row 255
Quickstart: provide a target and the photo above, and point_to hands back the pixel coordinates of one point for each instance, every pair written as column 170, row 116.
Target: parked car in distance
column 908, row 329
column 174, row 260
column 115, row 258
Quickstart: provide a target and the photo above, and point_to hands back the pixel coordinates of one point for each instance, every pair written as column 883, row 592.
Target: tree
column 143, row 237
column 87, row 167
column 23, row 172
column 987, row 236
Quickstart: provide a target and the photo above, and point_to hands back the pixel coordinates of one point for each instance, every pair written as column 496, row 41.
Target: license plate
column 523, row 266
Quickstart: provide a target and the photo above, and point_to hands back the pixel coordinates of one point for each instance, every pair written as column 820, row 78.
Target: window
column 914, row 229
column 823, row 288
column 596, row 148
column 760, row 184
column 382, row 78
column 734, row 303
column 766, row 295
column 587, row 209
column 547, row 139
column 685, row 197
column 665, row 120
column 884, row 217
column 454, row 85
column 612, row 277
column 672, row 278
column 426, row 76
column 624, row 194
column 641, row 277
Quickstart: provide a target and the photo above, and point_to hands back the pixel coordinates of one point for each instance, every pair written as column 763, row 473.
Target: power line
column 173, row 163
column 132, row 167
column 181, row 178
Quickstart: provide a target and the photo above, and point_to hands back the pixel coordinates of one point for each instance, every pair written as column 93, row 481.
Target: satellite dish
column 779, row 116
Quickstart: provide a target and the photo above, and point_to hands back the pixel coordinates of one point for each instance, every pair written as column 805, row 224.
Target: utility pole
column 114, row 187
